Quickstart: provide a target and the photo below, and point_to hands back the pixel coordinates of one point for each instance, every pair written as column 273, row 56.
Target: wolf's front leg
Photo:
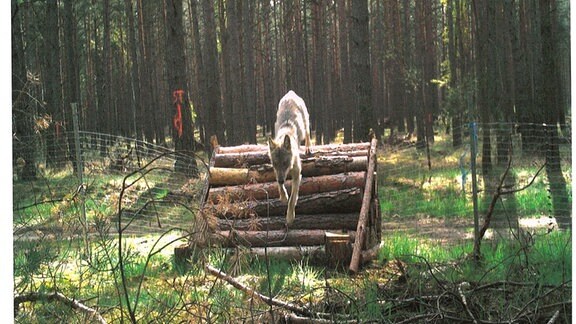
column 290, row 213
column 283, row 193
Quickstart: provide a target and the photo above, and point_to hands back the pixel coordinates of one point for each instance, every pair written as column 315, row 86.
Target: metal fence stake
column 80, row 173
column 473, row 148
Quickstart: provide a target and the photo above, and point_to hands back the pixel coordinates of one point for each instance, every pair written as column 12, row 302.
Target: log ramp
column 338, row 219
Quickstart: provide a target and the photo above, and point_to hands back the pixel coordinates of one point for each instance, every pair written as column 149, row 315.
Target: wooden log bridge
column 338, row 218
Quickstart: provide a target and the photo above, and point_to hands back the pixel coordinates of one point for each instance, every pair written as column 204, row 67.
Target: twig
column 56, row 296
column 293, row 318
column 499, row 192
column 268, row 300
column 554, row 317
column 464, row 302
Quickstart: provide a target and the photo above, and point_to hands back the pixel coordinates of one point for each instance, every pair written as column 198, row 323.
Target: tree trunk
column 55, row 142
column 318, row 71
column 183, row 128
column 550, row 90
column 345, row 94
column 269, row 190
column 272, row 238
column 106, row 108
column 361, row 70
column 320, row 221
column 71, row 84
column 134, row 95
column 146, row 75
column 455, row 108
column 327, row 149
column 265, row 172
column 269, row 109
column 212, row 104
column 340, row 201
column 22, row 110
column 248, row 72
column 198, row 85
column 259, row 155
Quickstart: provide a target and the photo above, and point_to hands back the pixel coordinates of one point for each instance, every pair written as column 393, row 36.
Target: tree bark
column 364, row 218
column 71, row 85
column 345, row 93
column 135, row 84
column 341, row 201
column 269, row 190
column 328, row 148
column 22, row 110
column 241, row 160
column 212, row 104
column 550, row 90
column 320, row 221
column 314, row 166
column 338, row 250
column 272, row 238
column 183, row 128
column 361, row 70
column 248, row 75
column 52, row 80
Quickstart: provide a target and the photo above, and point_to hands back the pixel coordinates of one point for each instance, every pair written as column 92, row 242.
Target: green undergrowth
column 542, row 257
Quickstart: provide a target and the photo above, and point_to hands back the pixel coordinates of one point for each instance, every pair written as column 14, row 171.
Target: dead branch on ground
column 497, row 194
column 268, row 300
column 56, row 296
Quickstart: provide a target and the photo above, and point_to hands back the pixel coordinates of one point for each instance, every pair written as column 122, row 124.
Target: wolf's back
column 292, row 110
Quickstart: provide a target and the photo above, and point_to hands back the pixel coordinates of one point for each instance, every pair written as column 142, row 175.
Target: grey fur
column 292, row 127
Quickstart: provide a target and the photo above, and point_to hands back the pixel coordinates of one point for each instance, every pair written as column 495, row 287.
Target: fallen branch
column 554, row 317
column 71, row 302
column 465, row 302
column 295, row 319
column 249, row 291
column 499, row 192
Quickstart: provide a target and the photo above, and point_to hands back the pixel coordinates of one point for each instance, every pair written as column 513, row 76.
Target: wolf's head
column 281, row 157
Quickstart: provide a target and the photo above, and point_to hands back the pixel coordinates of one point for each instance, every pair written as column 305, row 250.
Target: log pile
column 242, row 205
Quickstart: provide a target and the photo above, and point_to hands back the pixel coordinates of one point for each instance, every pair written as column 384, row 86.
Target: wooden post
column 338, row 250
column 363, row 218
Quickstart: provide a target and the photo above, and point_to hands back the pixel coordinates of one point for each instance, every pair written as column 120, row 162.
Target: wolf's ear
column 286, row 143
column 271, row 143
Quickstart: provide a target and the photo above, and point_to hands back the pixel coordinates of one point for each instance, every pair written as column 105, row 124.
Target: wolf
column 292, row 127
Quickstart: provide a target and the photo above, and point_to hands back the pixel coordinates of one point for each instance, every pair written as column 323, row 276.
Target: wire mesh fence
column 123, row 184
column 528, row 165
column 138, row 183
column 135, row 188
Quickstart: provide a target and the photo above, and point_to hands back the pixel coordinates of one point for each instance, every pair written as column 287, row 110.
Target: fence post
column 473, row 149
column 80, row 173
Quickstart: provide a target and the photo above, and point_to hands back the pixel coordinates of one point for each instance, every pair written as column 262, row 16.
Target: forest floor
column 450, row 231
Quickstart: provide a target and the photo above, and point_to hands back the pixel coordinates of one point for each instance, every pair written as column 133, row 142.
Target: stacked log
column 242, row 206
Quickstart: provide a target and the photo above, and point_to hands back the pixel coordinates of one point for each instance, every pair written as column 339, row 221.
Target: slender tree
column 52, row 80
column 182, row 126
column 213, row 111
column 134, row 88
column 550, row 90
column 22, row 110
column 71, row 84
column 249, row 77
column 360, row 59
column 345, row 94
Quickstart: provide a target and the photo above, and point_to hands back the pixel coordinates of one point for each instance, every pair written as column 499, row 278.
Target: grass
column 407, row 265
column 408, row 187
column 543, row 258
